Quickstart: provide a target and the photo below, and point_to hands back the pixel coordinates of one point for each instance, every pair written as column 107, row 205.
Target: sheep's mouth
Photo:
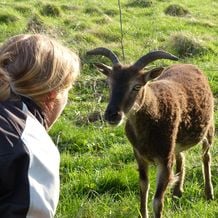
column 115, row 123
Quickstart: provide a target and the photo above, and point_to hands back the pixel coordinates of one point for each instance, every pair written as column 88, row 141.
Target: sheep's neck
column 147, row 102
column 146, row 108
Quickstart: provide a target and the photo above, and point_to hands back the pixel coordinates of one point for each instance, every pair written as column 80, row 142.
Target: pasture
column 98, row 171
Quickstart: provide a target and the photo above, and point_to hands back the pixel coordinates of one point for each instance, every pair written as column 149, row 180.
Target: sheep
column 167, row 112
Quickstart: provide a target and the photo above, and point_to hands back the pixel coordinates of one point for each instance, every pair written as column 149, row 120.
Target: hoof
column 177, row 193
column 209, row 197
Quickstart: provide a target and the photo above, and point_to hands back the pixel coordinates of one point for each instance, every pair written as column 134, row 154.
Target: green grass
column 99, row 175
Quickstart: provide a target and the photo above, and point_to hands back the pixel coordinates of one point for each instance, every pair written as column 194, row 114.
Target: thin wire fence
column 121, row 30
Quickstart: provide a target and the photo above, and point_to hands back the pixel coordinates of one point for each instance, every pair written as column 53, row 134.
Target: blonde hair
column 34, row 65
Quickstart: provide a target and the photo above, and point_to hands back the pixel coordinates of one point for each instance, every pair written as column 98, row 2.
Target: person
column 36, row 74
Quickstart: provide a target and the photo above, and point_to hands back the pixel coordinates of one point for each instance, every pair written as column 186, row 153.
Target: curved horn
column 105, row 52
column 152, row 56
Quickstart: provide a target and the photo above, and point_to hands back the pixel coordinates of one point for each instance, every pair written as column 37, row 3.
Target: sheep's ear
column 103, row 68
column 154, row 73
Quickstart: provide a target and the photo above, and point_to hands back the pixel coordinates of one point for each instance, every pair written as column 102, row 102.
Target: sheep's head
column 125, row 82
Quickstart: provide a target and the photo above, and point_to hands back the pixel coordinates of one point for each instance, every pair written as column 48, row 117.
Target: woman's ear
column 52, row 95
column 49, row 99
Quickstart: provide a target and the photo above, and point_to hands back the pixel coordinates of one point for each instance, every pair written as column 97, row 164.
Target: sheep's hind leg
column 206, row 157
column 180, row 174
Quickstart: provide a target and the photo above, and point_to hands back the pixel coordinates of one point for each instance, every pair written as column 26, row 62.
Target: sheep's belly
column 182, row 147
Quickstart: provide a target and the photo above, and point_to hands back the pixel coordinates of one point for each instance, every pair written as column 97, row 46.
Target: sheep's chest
column 149, row 138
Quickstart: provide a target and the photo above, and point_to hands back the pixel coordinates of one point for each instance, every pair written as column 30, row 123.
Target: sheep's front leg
column 163, row 179
column 180, row 172
column 143, row 172
column 207, row 170
column 144, row 188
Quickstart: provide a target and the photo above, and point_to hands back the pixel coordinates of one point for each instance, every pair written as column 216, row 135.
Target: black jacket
column 29, row 163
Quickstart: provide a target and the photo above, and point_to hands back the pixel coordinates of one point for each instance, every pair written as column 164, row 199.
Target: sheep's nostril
column 113, row 116
column 109, row 116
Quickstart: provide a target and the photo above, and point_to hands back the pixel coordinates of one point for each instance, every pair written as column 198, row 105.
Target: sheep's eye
column 137, row 87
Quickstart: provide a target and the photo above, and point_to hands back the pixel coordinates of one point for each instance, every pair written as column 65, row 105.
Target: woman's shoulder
column 12, row 123
column 12, row 117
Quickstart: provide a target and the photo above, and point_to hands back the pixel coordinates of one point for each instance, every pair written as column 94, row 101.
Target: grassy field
column 99, row 175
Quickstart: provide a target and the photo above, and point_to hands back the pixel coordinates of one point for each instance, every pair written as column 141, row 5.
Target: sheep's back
column 189, row 88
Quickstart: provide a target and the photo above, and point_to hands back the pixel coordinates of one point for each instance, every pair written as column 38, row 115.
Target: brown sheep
column 168, row 111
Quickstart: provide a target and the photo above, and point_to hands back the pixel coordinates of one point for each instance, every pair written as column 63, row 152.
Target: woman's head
column 37, row 67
